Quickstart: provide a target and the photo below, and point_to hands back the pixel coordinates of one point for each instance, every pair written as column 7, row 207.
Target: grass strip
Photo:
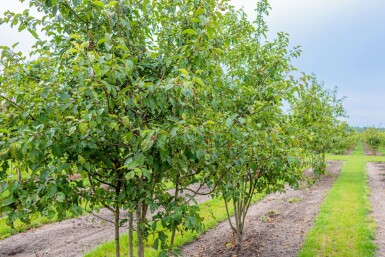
column 7, row 231
column 342, row 227
column 212, row 211
column 382, row 150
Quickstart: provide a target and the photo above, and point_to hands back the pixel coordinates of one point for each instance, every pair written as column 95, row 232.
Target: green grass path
column 343, row 227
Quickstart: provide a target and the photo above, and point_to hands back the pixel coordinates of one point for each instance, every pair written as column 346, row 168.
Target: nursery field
column 176, row 128
column 337, row 214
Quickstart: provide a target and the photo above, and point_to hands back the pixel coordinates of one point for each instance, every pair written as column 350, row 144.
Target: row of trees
column 130, row 94
column 374, row 137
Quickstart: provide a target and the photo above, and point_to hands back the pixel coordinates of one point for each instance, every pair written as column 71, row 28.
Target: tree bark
column 139, row 230
column 176, row 199
column 130, row 233
column 239, row 238
column 117, row 236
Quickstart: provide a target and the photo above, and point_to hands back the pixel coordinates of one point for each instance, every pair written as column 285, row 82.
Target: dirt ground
column 376, row 173
column 275, row 227
column 69, row 238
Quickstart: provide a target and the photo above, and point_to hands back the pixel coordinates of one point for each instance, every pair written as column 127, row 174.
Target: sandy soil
column 275, row 227
column 376, row 173
column 69, row 238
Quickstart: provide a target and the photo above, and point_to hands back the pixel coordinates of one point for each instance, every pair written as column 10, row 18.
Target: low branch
column 99, row 217
column 17, row 105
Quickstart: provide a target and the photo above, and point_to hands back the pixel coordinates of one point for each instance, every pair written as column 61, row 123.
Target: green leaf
column 209, row 122
column 189, row 31
column 99, row 3
column 199, row 11
column 52, row 189
column 199, row 81
column 101, row 41
column 156, row 243
column 70, row 118
column 130, row 164
column 48, row 3
column 113, row 3
column 83, row 128
column 173, row 131
column 25, row 114
column 76, row 2
column 60, row 197
column 34, row 33
column 5, row 131
column 195, row 19
column 21, row 28
column 185, row 72
column 229, row 122
column 200, row 153
column 146, row 144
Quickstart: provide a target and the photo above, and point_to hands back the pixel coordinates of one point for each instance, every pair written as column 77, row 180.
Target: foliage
column 316, row 115
column 344, row 138
column 373, row 137
column 255, row 148
column 114, row 97
column 129, row 94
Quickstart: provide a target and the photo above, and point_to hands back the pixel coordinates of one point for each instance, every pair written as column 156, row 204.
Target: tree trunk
column 237, row 217
column 139, row 230
column 239, row 235
column 176, row 195
column 117, row 236
column 130, row 233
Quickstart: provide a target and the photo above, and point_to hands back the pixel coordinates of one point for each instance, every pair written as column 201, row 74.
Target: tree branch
column 17, row 105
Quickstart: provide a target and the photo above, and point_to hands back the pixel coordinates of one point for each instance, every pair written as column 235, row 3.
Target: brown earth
column 376, row 173
column 69, row 238
column 275, row 227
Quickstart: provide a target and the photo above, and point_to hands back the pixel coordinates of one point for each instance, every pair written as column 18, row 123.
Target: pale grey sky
column 342, row 42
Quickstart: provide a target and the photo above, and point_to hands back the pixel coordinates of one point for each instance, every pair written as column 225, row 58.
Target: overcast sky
column 343, row 43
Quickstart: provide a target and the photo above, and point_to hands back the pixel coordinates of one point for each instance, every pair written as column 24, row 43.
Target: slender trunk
column 176, row 199
column 233, row 229
column 130, row 233
column 239, row 239
column 117, row 211
column 117, row 236
column 250, row 197
column 139, row 230
column 323, row 163
column 237, row 217
column 228, row 215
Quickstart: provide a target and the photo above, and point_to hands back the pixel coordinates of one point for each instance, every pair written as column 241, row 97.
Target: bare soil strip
column 275, row 227
column 69, row 238
column 376, row 173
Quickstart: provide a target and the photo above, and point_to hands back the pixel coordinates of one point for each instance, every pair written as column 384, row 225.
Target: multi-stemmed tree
column 253, row 141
